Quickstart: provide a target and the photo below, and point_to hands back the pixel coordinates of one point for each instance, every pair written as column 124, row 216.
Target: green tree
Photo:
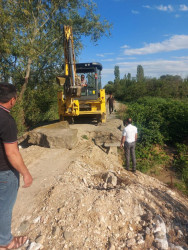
column 110, row 82
column 31, row 35
column 31, row 38
column 140, row 73
column 129, row 76
column 116, row 74
column 125, row 77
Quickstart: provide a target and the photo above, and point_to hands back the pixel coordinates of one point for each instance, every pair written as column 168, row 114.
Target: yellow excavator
column 80, row 98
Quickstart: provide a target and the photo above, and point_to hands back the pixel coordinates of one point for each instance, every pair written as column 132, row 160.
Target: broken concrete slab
column 57, row 135
column 112, row 144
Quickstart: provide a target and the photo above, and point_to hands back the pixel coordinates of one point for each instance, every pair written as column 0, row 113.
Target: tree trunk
column 26, row 80
column 21, row 114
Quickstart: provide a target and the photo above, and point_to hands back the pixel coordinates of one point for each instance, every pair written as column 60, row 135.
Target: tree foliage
column 31, row 41
column 31, row 36
column 128, row 90
column 140, row 73
column 116, row 74
column 129, row 76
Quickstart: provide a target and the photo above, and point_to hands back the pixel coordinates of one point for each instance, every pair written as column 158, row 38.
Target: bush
column 158, row 121
column 41, row 105
column 181, row 163
column 38, row 105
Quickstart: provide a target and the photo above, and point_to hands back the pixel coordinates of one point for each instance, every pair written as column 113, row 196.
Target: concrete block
column 57, row 135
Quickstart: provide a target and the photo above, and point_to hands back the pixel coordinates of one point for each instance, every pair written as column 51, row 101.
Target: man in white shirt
column 128, row 141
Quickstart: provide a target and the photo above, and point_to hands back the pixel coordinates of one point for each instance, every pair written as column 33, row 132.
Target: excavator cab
column 92, row 75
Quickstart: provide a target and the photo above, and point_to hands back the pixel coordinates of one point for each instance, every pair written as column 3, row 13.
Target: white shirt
column 129, row 132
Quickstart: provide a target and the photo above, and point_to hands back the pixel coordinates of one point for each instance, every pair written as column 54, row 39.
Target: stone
column 179, row 233
column 112, row 247
column 37, row 220
column 137, row 219
column 161, row 244
column 23, row 226
column 159, row 225
column 147, row 230
column 141, row 241
column 131, row 242
column 35, row 246
column 147, row 217
column 122, row 211
column 110, row 178
column 40, row 239
column 67, row 235
column 54, row 136
column 160, row 233
column 174, row 247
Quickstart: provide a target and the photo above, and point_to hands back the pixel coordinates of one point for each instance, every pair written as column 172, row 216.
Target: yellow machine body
column 75, row 100
column 69, row 108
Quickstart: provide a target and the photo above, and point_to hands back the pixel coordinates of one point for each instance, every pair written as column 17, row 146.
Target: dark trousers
column 111, row 108
column 130, row 150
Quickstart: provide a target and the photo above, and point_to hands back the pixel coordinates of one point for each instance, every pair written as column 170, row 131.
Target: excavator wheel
column 99, row 119
column 69, row 119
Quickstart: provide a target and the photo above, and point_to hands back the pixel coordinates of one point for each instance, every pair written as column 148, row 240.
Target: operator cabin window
column 89, row 88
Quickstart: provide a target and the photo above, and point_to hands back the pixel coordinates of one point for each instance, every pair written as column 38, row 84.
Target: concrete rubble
column 96, row 204
column 57, row 135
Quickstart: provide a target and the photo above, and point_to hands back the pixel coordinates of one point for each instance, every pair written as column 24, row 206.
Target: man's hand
column 122, row 142
column 27, row 178
column 15, row 159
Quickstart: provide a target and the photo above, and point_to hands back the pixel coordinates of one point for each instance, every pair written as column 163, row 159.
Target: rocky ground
column 84, row 199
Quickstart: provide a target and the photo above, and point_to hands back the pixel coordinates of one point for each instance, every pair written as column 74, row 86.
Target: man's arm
column 136, row 136
column 122, row 141
column 15, row 159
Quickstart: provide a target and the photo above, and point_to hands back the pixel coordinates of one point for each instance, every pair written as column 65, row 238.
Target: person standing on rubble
column 128, row 141
column 11, row 165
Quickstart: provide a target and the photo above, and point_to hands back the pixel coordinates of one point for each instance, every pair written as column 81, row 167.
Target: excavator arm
column 70, row 80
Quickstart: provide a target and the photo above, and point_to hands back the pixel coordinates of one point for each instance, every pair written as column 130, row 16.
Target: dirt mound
column 84, row 199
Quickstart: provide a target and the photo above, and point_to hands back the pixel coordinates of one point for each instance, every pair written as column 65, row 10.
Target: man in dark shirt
column 110, row 100
column 11, row 165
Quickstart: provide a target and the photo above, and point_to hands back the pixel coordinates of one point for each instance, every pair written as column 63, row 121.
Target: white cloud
column 181, row 57
column 100, row 55
column 104, row 54
column 107, row 60
column 120, row 58
column 157, row 68
column 176, row 42
column 147, row 6
column 165, row 8
column 183, row 7
column 135, row 12
column 151, row 68
column 177, row 16
column 124, row 46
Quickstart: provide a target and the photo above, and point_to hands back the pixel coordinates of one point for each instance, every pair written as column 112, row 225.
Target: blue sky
column 151, row 33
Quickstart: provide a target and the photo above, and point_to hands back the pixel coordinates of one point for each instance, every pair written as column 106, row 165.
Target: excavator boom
column 70, row 67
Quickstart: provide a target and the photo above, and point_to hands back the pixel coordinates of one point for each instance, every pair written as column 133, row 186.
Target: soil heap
column 84, row 199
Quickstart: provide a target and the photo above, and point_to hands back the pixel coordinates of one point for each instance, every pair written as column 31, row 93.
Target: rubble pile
column 96, row 204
